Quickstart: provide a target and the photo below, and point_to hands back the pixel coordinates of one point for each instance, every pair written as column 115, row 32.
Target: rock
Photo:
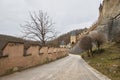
column 102, row 58
column 114, row 72
column 109, row 19
column 115, row 66
column 15, row 69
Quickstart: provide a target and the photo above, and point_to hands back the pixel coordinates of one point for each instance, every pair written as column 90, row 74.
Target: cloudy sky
column 67, row 14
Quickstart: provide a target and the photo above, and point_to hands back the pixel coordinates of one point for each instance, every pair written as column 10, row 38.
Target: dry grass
column 107, row 62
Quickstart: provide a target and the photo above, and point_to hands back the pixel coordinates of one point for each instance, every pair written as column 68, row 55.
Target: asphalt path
column 72, row 67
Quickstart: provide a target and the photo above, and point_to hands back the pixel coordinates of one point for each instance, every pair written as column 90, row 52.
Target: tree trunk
column 88, row 54
column 91, row 52
column 98, row 46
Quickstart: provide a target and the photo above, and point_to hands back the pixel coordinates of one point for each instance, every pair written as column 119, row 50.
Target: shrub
column 86, row 44
column 98, row 38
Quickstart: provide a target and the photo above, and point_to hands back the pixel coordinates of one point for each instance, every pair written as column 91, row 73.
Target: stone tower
column 73, row 38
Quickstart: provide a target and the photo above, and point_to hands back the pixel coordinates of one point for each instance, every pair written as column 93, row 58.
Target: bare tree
column 86, row 44
column 98, row 38
column 40, row 27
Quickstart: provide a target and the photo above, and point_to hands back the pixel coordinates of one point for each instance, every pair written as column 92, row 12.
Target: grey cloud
column 63, row 13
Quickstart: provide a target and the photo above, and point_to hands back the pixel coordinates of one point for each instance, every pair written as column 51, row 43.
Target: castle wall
column 17, row 61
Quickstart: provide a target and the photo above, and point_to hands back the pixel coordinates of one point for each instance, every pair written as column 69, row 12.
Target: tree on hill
column 98, row 38
column 85, row 43
column 39, row 28
column 64, row 37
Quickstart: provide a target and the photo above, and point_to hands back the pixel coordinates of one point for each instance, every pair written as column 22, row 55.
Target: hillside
column 107, row 61
column 64, row 37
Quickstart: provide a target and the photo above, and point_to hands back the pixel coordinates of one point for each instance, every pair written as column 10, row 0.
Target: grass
column 107, row 62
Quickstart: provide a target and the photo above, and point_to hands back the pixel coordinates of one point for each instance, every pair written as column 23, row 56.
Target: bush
column 86, row 44
column 98, row 38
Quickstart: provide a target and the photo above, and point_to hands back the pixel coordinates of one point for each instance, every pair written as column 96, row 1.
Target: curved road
column 72, row 67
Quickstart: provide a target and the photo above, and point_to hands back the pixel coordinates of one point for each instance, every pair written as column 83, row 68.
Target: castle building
column 73, row 38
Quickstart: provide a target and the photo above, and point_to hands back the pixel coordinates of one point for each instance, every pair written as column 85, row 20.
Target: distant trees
column 40, row 27
column 64, row 37
column 86, row 44
column 98, row 38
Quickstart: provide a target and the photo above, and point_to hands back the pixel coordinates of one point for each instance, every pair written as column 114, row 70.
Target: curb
column 95, row 72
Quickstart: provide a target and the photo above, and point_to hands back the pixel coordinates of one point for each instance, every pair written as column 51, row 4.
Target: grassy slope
column 108, row 62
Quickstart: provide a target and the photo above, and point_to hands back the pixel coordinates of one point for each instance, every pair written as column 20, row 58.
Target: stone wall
column 109, row 19
column 16, row 59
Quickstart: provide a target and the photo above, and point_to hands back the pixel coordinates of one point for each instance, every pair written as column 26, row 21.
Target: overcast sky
column 67, row 14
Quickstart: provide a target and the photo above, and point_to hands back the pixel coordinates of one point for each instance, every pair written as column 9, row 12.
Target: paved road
column 71, row 67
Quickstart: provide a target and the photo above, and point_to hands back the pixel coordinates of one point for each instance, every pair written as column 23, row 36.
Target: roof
column 5, row 39
column 27, row 44
column 73, row 33
column 62, row 43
